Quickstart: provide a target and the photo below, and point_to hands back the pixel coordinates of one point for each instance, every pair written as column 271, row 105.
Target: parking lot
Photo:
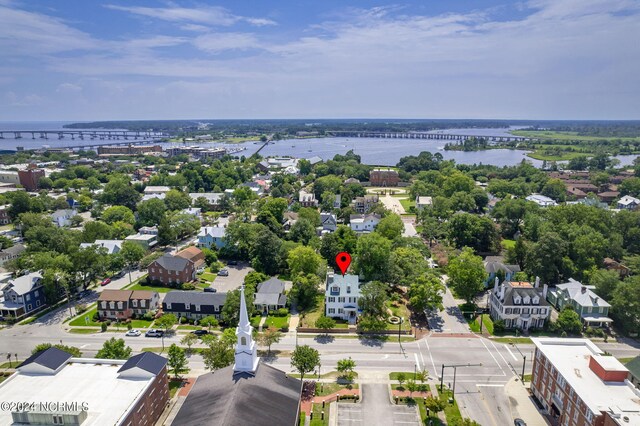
column 376, row 408
column 234, row 280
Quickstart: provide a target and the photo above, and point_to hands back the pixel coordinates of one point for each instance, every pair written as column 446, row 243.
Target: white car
column 133, row 333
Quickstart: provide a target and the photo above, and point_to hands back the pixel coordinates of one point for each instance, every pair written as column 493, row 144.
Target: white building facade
column 342, row 293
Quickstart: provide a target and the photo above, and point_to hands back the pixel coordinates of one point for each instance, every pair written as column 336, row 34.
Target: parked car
column 232, row 262
column 133, row 333
column 105, row 281
column 154, row 333
column 200, row 332
column 119, row 274
column 223, row 272
column 519, row 422
column 210, row 290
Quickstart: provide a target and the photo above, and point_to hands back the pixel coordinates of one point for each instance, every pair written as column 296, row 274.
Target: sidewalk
column 521, row 404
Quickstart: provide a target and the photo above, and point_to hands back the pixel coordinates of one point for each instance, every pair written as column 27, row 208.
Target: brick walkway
column 305, row 405
column 186, row 388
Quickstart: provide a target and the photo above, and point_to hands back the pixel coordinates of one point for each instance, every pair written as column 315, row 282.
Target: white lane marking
column 494, row 358
column 435, row 371
column 510, row 353
column 421, row 357
column 417, row 362
column 499, row 353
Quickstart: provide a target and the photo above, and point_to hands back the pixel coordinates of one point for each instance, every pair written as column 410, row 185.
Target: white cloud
column 211, row 15
column 218, row 42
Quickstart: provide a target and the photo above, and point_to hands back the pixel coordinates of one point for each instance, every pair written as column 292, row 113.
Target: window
column 589, row 416
column 119, row 305
column 332, row 310
column 187, row 306
column 29, row 307
column 340, row 310
column 332, row 300
column 57, row 420
column 168, row 305
column 37, row 303
column 36, row 294
column 112, row 305
column 28, row 297
column 341, row 299
column 348, row 289
column 142, row 303
column 243, row 341
column 335, row 289
column 197, row 308
column 543, row 311
column 507, row 310
column 104, row 305
column 516, row 311
column 134, row 302
column 525, row 310
column 534, row 310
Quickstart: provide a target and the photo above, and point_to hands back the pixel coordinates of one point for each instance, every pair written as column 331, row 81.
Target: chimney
column 583, row 289
column 537, row 284
column 544, row 291
column 495, row 286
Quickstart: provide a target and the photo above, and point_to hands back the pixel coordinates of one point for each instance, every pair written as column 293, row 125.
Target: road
column 393, row 204
column 479, row 389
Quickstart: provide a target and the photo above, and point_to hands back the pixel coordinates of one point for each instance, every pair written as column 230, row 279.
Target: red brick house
column 179, row 268
column 29, row 178
column 384, row 177
column 122, row 304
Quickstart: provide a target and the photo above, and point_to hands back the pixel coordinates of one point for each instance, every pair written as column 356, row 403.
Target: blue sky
column 137, row 59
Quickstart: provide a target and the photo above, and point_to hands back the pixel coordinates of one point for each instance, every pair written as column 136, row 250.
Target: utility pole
column 524, row 359
column 455, row 369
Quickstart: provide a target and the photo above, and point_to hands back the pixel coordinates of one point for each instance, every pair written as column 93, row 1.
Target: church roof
column 268, row 397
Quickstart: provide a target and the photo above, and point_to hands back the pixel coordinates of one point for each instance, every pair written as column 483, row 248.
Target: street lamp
column 455, row 369
column 524, row 359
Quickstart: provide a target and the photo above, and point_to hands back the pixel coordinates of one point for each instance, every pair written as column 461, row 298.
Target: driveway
column 392, row 203
column 409, row 226
column 376, row 409
column 234, row 280
column 121, row 282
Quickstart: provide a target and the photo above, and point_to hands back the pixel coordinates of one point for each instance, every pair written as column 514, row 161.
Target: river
column 376, row 151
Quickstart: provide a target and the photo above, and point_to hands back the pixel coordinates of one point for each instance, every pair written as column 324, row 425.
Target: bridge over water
column 425, row 135
column 82, row 134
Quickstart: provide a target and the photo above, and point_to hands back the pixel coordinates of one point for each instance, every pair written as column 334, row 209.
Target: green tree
column 468, row 230
column 119, row 191
column 556, row 189
column 270, row 337
column 166, row 321
column 189, row 339
column 401, row 377
column 131, row 253
column 177, row 200
column 345, row 367
column 390, row 226
column 605, row 282
column 304, row 291
column 218, row 355
column 406, row 264
column 231, row 308
column 343, row 239
column 304, row 260
column 209, row 321
column 177, row 360
column 373, row 296
column 305, row 359
column 74, row 351
column 151, row 212
column 302, row 231
column 114, row 349
column 96, row 230
column 426, row 293
column 546, row 258
column 434, row 405
column 466, row 274
column 325, row 323
column 264, row 253
column 625, row 305
column 373, row 256
column 411, row 387
column 275, row 206
column 569, row 321
column 118, row 214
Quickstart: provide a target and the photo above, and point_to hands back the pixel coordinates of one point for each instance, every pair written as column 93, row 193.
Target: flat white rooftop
column 571, row 358
column 94, row 382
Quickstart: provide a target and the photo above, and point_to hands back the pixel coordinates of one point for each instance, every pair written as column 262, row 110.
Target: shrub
column 103, row 327
column 148, row 316
column 284, row 329
column 498, row 326
column 188, row 286
column 81, row 308
column 282, row 312
column 129, row 326
column 96, row 317
column 108, row 322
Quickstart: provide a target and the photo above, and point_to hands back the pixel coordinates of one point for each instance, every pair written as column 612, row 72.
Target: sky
column 141, row 59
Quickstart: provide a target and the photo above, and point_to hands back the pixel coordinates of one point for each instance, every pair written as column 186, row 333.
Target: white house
column 193, row 211
column 541, row 200
column 519, row 304
column 63, row 217
column 211, row 236
column 628, row 202
column 112, row 246
column 422, row 202
column 342, row 293
column 156, row 189
column 364, row 222
column 307, row 199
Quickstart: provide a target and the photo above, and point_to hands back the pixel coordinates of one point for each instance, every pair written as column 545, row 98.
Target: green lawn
column 308, row 318
column 407, row 204
column 207, row 276
column 255, row 321
column 323, row 389
column 317, row 415
column 160, row 289
column 140, row 323
column 487, row 324
column 277, row 322
column 407, row 375
column 622, row 360
column 174, row 385
column 517, row 340
column 80, row 319
column 451, row 411
column 507, row 244
column 189, row 327
column 402, row 311
column 84, row 330
column 567, row 136
column 13, row 364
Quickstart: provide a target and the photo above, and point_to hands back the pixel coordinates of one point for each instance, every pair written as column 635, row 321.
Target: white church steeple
column 246, row 357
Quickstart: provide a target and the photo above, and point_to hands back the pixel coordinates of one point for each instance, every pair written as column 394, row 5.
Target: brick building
column 179, row 268
column 384, row 177
column 29, row 178
column 123, row 304
column 578, row 385
column 128, row 150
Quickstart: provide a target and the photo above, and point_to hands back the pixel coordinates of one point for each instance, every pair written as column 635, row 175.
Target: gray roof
column 147, row 361
column 634, row 366
column 172, row 263
column 493, row 264
column 582, row 294
column 214, row 231
column 269, row 397
column 511, row 292
column 16, row 249
column 195, row 297
column 26, row 283
column 271, row 286
column 51, row 358
column 270, row 299
column 211, row 197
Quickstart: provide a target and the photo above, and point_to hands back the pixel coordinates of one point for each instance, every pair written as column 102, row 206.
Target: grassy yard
column 318, row 419
column 277, row 322
column 174, row 385
column 140, row 323
column 255, row 321
column 407, row 375
column 323, row 389
column 80, row 319
column 160, row 289
column 487, row 324
column 566, row 136
column 308, row 318
column 399, row 309
column 451, row 411
column 507, row 244
column 84, row 330
column 207, row 276
column 11, row 364
column 189, row 327
column 517, row 340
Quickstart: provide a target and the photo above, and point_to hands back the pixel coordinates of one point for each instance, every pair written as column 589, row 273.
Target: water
column 383, row 152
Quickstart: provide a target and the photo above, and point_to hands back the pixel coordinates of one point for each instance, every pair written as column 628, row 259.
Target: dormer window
column 142, row 303
column 517, row 300
column 112, row 305
column 187, row 306
column 527, row 300
column 134, row 302
column 536, row 300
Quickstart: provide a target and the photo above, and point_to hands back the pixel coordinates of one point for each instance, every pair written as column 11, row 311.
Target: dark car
column 200, row 332
column 210, row 290
column 519, row 422
column 232, row 262
column 154, row 333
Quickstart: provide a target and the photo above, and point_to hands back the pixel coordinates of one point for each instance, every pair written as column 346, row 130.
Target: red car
column 105, row 281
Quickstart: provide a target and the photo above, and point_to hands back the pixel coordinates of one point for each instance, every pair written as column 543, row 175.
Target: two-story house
column 22, row 296
column 341, row 297
column 124, row 304
column 519, row 304
column 364, row 223
column 329, row 222
column 270, row 295
column 193, row 305
column 112, row 246
column 593, row 309
column 11, row 253
column 628, row 203
column 62, row 217
column 172, row 269
column 307, row 199
column 362, row 205
column 495, row 266
column 212, row 236
column 195, row 255
column 5, row 219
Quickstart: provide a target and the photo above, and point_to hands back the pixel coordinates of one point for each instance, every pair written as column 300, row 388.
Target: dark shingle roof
column 172, row 263
column 147, row 361
column 269, row 397
column 271, row 286
column 51, row 358
column 195, row 297
column 634, row 367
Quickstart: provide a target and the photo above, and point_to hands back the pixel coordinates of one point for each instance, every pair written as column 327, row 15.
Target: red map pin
column 343, row 259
